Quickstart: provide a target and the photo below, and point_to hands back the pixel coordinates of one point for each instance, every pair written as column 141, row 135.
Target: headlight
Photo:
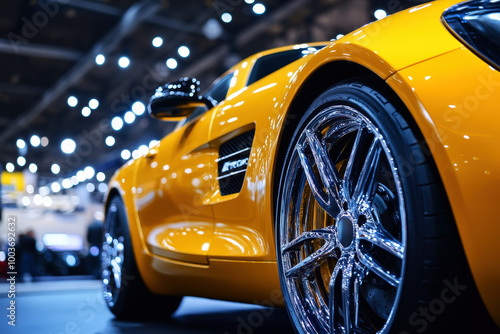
column 477, row 24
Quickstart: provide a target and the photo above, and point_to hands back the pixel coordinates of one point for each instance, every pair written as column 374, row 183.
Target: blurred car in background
column 62, row 254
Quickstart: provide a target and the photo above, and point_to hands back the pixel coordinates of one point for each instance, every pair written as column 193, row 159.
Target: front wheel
column 124, row 291
column 365, row 236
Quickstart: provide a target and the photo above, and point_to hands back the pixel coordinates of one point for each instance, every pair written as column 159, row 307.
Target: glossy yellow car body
column 190, row 240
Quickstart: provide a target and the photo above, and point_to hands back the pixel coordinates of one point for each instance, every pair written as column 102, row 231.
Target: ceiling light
column 153, row 143
column 138, row 108
column 125, row 154
column 171, row 63
column 89, row 172
column 68, row 146
column 80, row 176
column 136, row 154
column 157, row 42
column 123, row 62
column 86, row 111
column 116, row 123
column 183, row 51
column 44, row 141
column 110, row 140
column 226, row 17
column 74, row 180
column 90, row 187
column 44, row 191
column 56, row 187
column 380, row 14
column 35, row 141
column 33, row 168
column 100, row 59
column 143, row 150
column 30, row 189
column 21, row 161
column 21, row 143
column 100, row 176
column 339, row 36
column 250, row 1
column 72, row 101
column 26, row 201
column 129, row 117
column 66, row 183
column 55, row 168
column 103, row 187
column 9, row 167
column 38, row 199
column 259, row 8
column 93, row 104
column 212, row 29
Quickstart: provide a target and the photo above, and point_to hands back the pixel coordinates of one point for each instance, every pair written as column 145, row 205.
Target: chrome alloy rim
column 112, row 256
column 342, row 226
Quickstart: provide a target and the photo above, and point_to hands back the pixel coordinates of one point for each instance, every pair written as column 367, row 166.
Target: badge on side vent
column 233, row 161
column 232, row 165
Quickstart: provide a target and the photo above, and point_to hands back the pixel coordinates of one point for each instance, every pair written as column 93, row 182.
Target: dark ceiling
column 48, row 51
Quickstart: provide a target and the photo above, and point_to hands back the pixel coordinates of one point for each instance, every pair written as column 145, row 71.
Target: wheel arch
column 316, row 83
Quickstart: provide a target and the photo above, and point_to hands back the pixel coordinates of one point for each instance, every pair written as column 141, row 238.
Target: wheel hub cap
column 345, row 231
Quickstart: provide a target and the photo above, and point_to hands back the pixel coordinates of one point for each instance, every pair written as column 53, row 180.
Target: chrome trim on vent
column 231, row 174
column 232, row 154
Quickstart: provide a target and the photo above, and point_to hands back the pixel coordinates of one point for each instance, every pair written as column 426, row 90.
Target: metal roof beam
column 132, row 18
column 39, row 50
column 16, row 89
column 154, row 19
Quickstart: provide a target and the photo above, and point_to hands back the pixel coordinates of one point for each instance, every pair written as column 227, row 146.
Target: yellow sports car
column 354, row 182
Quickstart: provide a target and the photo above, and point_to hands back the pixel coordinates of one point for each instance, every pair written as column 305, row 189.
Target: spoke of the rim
column 305, row 267
column 356, row 288
column 350, row 163
column 334, row 314
column 329, row 175
column 322, row 303
column 375, row 235
column 365, row 187
column 374, row 266
column 350, row 297
column 117, row 273
column 312, row 297
column 349, row 294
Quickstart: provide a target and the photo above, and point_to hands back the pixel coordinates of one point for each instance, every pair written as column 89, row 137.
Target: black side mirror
column 176, row 100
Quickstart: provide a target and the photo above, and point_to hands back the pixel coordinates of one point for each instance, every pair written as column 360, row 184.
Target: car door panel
column 243, row 229
column 173, row 181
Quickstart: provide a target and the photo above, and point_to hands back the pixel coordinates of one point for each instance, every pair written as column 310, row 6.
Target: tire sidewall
column 129, row 268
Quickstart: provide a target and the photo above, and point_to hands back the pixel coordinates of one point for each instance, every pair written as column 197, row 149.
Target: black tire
column 433, row 290
column 129, row 299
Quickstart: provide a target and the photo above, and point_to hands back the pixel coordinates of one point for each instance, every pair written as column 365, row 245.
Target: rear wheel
column 366, row 242
column 123, row 288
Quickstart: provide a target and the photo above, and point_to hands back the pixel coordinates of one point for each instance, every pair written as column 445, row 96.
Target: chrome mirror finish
column 342, row 226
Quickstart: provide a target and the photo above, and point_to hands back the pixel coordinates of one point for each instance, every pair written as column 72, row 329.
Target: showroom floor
column 76, row 306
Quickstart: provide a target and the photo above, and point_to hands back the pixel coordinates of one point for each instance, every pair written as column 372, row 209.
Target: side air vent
column 233, row 162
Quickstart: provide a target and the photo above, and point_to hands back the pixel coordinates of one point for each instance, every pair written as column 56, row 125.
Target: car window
column 273, row 62
column 219, row 90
